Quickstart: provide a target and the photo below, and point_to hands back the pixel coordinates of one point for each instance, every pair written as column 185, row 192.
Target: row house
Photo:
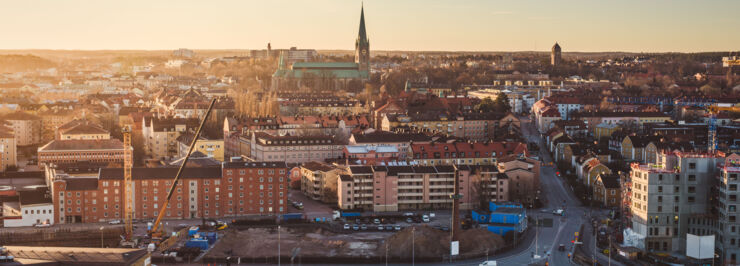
column 463, row 152
column 634, row 147
column 395, row 188
column 233, row 189
column 294, row 149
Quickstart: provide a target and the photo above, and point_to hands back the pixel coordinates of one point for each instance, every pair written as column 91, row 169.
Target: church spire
column 362, row 35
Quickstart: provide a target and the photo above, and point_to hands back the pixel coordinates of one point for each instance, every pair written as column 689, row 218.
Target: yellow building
column 213, row 148
column 604, row 130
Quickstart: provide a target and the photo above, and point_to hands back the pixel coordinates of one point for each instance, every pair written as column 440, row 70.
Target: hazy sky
column 453, row 25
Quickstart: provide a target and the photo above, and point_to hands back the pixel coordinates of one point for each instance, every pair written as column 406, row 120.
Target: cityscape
column 438, row 152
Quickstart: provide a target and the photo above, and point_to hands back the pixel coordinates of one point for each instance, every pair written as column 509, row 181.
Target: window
column 692, row 189
column 692, row 177
column 692, row 165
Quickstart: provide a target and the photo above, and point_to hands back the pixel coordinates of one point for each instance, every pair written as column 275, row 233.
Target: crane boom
column 157, row 222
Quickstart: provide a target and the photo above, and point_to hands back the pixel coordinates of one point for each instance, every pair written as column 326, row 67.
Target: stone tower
column 362, row 45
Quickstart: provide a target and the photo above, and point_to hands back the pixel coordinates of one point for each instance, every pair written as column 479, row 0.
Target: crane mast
column 128, row 188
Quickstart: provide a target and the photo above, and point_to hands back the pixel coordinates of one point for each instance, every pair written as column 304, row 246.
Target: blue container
column 212, row 237
column 202, row 244
column 351, row 214
column 192, row 231
column 292, row 216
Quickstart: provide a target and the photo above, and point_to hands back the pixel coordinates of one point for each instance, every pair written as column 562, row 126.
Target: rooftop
column 77, row 145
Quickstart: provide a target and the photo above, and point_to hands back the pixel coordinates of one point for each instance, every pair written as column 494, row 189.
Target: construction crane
column 710, row 105
column 128, row 204
column 156, row 233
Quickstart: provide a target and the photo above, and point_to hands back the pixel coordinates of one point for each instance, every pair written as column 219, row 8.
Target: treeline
column 21, row 63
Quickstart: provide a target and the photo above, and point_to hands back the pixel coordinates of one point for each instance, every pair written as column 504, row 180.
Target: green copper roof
column 325, row 65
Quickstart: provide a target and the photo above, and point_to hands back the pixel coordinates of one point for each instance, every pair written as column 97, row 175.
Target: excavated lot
column 315, row 243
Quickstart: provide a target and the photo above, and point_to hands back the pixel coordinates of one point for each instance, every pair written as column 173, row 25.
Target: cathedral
column 322, row 76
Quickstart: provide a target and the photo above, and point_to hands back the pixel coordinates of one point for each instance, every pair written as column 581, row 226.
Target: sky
column 413, row 25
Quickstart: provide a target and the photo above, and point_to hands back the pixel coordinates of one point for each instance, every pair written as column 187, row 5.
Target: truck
column 338, row 214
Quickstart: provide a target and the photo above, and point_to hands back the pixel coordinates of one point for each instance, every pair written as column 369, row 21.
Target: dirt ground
column 432, row 243
column 316, row 242
column 263, row 242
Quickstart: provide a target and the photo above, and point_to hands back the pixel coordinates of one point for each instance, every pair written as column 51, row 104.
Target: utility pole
column 278, row 245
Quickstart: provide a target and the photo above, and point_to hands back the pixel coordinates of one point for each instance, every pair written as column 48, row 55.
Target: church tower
column 362, row 46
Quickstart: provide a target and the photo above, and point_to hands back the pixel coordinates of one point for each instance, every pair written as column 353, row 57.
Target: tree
column 486, row 105
column 502, row 103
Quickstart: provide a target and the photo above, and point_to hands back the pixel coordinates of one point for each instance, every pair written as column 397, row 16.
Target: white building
column 32, row 207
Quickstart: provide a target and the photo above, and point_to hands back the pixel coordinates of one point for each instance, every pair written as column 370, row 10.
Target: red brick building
column 233, row 189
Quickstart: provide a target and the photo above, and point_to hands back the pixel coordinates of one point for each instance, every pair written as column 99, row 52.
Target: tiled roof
column 161, row 173
column 255, row 165
column 77, row 145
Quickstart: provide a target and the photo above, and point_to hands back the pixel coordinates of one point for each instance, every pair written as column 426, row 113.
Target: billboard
column 700, row 247
column 454, row 248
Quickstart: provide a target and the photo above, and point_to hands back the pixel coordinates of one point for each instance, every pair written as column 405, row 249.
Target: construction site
column 321, row 243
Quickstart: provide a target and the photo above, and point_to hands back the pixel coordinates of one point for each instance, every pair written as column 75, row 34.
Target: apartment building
column 401, row 140
column 728, row 228
column 372, row 155
column 97, row 153
column 472, row 126
column 474, row 153
column 213, row 148
column 667, row 195
column 319, row 181
column 607, row 190
column 27, row 127
column 394, row 188
column 8, row 148
column 233, row 189
column 81, row 129
column 160, row 135
column 294, row 149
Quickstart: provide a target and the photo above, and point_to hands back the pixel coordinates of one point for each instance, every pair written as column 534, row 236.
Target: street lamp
column 101, row 237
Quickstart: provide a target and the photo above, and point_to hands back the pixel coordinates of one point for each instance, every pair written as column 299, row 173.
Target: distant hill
column 19, row 63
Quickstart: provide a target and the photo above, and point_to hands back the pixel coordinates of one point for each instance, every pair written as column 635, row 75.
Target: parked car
column 425, row 218
column 355, row 227
column 41, row 225
column 376, row 221
column 409, row 220
column 397, row 227
column 114, row 222
column 346, row 226
column 561, row 247
column 380, row 227
column 363, row 227
column 408, row 214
